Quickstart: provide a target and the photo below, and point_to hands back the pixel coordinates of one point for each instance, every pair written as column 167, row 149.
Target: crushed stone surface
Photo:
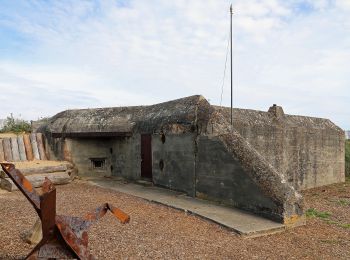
column 159, row 232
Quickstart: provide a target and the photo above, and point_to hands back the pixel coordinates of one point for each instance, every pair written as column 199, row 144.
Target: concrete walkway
column 242, row 222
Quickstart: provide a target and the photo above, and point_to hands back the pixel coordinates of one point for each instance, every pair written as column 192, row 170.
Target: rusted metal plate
column 121, row 215
column 48, row 212
column 64, row 237
column 23, row 184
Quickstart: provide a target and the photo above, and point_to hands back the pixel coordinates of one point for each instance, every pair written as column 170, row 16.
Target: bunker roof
column 123, row 121
column 256, row 117
column 119, row 121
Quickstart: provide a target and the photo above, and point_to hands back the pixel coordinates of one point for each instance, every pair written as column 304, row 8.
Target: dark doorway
column 146, row 156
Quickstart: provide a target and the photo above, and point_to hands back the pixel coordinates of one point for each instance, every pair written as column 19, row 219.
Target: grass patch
column 313, row 213
column 330, row 241
column 344, row 225
column 343, row 202
column 331, row 222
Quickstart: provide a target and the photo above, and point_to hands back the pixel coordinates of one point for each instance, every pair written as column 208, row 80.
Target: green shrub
column 347, row 158
column 14, row 125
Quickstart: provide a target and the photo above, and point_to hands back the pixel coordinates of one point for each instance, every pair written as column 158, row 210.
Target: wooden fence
column 25, row 147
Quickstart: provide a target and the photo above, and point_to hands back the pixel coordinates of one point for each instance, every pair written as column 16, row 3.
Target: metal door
column 146, row 156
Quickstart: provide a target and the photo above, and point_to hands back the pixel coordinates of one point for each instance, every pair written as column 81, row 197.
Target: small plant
column 15, row 125
column 311, row 213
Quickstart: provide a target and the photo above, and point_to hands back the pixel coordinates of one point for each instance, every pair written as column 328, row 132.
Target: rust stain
column 122, row 216
column 294, row 220
column 27, row 185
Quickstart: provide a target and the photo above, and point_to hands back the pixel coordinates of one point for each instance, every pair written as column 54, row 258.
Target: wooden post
column 2, row 154
column 7, row 149
column 28, row 147
column 34, row 146
column 14, row 148
column 34, row 235
column 41, row 148
column 21, row 148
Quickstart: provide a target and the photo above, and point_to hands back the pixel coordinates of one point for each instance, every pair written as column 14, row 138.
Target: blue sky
column 57, row 55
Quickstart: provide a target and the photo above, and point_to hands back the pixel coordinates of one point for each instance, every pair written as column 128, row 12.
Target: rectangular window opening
column 98, row 163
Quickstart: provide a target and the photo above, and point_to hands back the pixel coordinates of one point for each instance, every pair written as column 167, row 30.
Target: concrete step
column 239, row 221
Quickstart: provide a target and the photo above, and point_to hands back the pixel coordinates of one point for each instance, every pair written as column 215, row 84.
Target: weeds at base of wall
column 347, row 158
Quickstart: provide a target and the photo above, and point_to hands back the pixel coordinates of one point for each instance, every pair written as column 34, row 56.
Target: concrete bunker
column 189, row 145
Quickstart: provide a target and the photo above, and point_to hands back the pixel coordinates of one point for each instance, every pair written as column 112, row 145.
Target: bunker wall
column 174, row 161
column 125, row 157
column 307, row 157
column 220, row 177
column 91, row 156
column 121, row 155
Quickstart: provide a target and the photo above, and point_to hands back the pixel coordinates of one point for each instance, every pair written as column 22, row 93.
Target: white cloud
column 151, row 51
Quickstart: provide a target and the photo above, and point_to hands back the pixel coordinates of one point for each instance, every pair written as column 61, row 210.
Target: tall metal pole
column 231, row 12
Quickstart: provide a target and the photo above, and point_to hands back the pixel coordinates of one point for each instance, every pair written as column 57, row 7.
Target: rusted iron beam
column 64, row 237
column 22, row 184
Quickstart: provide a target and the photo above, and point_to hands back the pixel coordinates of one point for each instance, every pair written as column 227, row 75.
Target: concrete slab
column 241, row 222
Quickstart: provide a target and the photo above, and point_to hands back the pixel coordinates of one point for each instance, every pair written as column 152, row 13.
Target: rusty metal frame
column 64, row 237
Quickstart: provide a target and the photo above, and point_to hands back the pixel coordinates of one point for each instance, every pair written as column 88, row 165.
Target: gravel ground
column 159, row 232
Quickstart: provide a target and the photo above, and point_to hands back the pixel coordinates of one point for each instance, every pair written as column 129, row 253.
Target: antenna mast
column 231, row 12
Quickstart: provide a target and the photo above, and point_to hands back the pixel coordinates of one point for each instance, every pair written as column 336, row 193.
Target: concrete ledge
column 241, row 222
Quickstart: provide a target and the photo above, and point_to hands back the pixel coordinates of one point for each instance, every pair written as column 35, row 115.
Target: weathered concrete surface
column 289, row 202
column 221, row 177
column 174, row 161
column 126, row 157
column 309, row 151
column 173, row 115
column 258, row 170
column 86, row 149
column 242, row 222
